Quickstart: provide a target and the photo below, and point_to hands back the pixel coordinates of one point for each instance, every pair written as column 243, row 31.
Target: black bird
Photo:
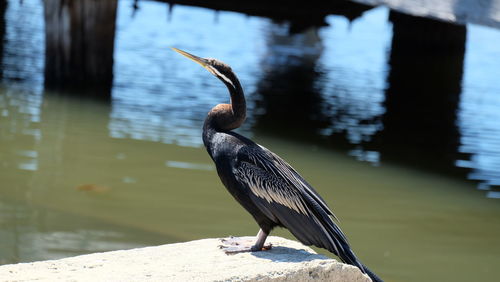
column 263, row 183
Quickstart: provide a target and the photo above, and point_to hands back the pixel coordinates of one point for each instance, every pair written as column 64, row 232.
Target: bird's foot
column 235, row 245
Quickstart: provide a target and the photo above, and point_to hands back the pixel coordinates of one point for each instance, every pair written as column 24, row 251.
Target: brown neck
column 225, row 117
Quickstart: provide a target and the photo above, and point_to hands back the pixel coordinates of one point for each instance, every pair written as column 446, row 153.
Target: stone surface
column 200, row 260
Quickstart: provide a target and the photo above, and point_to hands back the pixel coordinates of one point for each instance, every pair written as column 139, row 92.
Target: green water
column 68, row 188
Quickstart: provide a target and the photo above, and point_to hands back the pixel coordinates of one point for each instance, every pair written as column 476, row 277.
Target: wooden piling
column 79, row 44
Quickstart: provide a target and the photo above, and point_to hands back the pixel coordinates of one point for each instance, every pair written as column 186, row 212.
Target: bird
column 270, row 189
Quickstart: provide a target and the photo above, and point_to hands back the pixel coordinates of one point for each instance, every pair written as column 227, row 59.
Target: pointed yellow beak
column 201, row 61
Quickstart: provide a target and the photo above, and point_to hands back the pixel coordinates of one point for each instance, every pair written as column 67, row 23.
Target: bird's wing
column 282, row 169
column 286, row 198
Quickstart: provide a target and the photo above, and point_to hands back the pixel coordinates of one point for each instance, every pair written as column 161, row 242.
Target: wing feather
column 287, row 199
column 279, row 167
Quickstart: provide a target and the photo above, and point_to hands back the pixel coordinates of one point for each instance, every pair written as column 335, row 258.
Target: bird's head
column 219, row 69
column 223, row 116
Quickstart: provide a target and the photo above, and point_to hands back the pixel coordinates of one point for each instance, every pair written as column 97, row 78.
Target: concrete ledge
column 200, row 260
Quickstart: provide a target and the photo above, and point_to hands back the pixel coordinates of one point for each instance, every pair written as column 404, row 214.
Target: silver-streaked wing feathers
column 286, row 198
column 289, row 174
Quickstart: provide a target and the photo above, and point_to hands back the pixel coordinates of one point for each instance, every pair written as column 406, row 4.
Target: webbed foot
column 235, row 245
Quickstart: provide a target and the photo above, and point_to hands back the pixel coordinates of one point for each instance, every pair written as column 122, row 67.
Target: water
column 81, row 176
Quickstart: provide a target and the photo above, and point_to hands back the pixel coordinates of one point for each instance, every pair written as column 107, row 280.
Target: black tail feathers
column 372, row 275
column 350, row 258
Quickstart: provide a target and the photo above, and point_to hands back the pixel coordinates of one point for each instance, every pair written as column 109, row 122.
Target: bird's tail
column 349, row 257
column 338, row 245
column 372, row 275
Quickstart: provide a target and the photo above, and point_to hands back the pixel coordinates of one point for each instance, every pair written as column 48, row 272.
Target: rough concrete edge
column 313, row 266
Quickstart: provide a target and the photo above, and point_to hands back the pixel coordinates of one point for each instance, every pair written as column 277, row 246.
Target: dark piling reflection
column 289, row 99
column 424, row 85
column 310, row 90
column 79, row 41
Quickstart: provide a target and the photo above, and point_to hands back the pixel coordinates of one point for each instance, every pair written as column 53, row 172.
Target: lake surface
column 81, row 175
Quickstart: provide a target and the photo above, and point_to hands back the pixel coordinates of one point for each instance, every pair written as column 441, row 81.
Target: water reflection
column 97, row 175
column 354, row 82
column 288, row 97
column 3, row 10
column 79, row 45
column 23, row 53
column 424, row 84
column 312, row 90
column 333, row 80
column 158, row 97
column 20, row 129
column 478, row 115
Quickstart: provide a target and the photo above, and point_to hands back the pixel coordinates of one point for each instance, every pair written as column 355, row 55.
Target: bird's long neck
column 226, row 117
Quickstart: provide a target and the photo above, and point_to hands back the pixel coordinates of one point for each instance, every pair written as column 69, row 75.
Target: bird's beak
column 197, row 59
